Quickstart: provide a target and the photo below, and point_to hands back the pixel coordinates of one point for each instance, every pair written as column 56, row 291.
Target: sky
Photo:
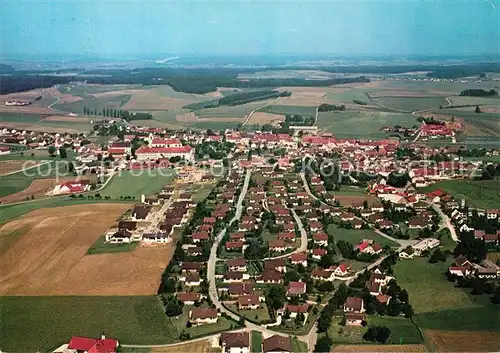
column 122, row 28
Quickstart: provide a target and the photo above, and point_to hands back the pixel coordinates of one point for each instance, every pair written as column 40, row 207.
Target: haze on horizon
column 121, row 28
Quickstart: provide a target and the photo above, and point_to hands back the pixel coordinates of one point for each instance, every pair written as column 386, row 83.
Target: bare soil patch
column 265, row 118
column 351, row 200
column 193, row 347
column 48, row 255
column 7, row 167
column 357, row 348
column 464, row 341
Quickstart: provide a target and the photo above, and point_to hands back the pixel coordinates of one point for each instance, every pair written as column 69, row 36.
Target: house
column 192, row 280
column 425, row 244
column 277, row 344
column 119, row 237
column 407, row 253
column 383, row 298
column 275, row 265
column 296, row 288
column 322, row 275
column 299, row 258
column 188, row 298
column 233, row 276
column 366, row 248
column 248, row 302
column 93, row 345
column 201, row 316
column 462, row 268
column 320, row 239
column 71, row 187
column 158, row 238
column 294, row 310
column 238, row 289
column 354, row 305
column 315, row 226
column 234, row 245
column 200, row 237
column 318, row 253
column 270, row 276
column 140, row 212
column 287, row 236
column 347, row 216
column 486, row 273
column 239, row 265
column 277, row 245
column 193, row 267
column 235, row 342
column 354, row 319
column 418, row 223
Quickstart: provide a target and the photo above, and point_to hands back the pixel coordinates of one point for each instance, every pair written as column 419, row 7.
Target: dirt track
column 380, row 348
column 7, row 167
column 44, row 253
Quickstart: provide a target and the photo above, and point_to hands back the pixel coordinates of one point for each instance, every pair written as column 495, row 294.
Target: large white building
column 144, row 153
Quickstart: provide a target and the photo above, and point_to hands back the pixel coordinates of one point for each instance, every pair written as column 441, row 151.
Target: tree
column 477, row 110
column 52, row 150
column 62, row 152
column 378, row 334
column 324, row 344
column 173, row 306
column 403, row 296
column 394, row 307
column 276, row 297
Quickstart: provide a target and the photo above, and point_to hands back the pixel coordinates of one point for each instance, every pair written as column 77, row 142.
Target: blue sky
column 121, row 28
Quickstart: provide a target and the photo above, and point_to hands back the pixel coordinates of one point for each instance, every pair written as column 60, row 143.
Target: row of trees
column 117, row 113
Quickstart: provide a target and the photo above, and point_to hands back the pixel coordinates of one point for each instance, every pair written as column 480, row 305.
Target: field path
column 247, row 118
column 57, row 98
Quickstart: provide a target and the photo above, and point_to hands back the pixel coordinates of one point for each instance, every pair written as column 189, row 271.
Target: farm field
column 39, row 323
column 13, row 183
column 479, row 194
column 128, row 183
column 362, row 124
column 41, row 155
column 410, row 104
column 464, row 341
column 356, row 236
column 396, row 348
column 7, row 167
column 265, row 118
column 38, row 122
column 54, row 242
column 457, row 310
column 203, row 346
column 289, row 110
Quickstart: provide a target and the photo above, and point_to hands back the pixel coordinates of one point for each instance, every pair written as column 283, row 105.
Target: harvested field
column 265, row 118
column 351, row 200
column 192, row 118
column 203, row 346
column 464, row 341
column 7, row 167
column 43, row 253
column 380, row 348
column 37, row 127
column 72, row 119
column 402, row 93
column 151, row 100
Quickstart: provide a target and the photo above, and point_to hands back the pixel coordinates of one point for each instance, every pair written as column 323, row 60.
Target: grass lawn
column 438, row 304
column 356, row 236
column 256, row 342
column 129, row 183
column 259, row 315
column 101, row 247
column 21, row 118
column 289, row 110
column 179, row 323
column 477, row 193
column 32, row 324
column 446, row 242
column 298, row 346
column 402, row 330
column 199, row 191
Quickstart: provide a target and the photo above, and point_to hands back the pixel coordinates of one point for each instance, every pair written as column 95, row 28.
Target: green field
column 37, row 119
column 299, row 346
column 130, row 183
column 113, row 102
column 21, row 118
column 410, row 104
column 356, row 236
column 362, row 124
column 289, row 110
column 179, row 324
column 351, row 191
column 32, row 324
column 101, row 247
column 402, row 331
column 256, row 342
column 12, row 183
column 438, row 304
column 479, row 194
column 84, row 90
column 258, row 315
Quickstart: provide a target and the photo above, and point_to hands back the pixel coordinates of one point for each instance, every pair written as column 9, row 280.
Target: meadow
column 362, row 124
column 456, row 310
column 130, row 183
column 289, row 110
column 356, row 236
column 410, row 104
column 477, row 193
column 41, row 323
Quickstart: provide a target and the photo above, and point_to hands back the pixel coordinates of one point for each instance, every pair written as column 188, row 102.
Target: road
column 212, row 261
column 247, row 118
column 57, row 98
column 316, row 116
column 303, row 239
column 446, row 221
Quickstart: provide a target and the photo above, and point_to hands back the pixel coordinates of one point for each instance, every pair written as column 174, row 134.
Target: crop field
column 410, row 104
column 7, row 167
column 356, row 236
column 480, row 193
column 289, row 110
column 135, row 184
column 38, row 122
column 237, row 111
column 203, row 346
column 457, row 310
column 113, row 102
column 41, row 324
column 464, row 341
column 265, row 118
column 362, row 124
column 382, row 348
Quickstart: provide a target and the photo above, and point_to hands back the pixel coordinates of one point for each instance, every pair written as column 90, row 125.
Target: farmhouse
column 71, row 187
column 93, row 345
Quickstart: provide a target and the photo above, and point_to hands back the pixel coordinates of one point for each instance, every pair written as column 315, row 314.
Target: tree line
column 117, row 113
column 479, row 93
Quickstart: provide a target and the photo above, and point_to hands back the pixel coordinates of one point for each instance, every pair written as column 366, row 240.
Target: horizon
column 126, row 29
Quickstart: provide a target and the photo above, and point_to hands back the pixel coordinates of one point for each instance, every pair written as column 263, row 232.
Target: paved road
column 303, row 239
column 446, row 221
